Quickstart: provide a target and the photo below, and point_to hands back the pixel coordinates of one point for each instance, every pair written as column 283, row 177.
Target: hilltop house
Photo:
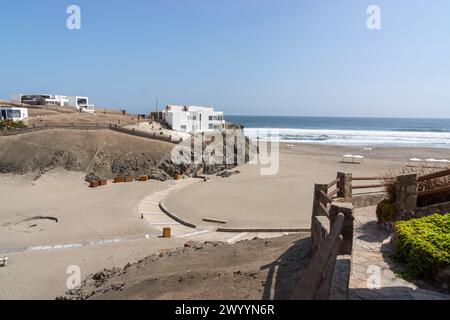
column 13, row 113
column 81, row 103
column 193, row 119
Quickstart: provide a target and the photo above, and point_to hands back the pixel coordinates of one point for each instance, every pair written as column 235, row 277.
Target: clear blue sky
column 245, row 57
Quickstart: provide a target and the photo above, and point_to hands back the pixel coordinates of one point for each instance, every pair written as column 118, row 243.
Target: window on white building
column 13, row 114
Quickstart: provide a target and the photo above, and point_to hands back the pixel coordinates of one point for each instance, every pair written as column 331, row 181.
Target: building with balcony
column 193, row 119
column 80, row 103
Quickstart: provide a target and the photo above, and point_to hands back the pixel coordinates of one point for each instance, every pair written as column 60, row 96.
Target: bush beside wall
column 424, row 244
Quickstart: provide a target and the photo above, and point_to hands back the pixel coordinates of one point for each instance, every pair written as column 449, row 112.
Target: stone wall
column 406, row 193
column 368, row 200
column 441, row 208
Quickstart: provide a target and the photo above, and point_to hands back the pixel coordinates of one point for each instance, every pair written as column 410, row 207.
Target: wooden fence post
column 318, row 199
column 316, row 211
column 344, row 185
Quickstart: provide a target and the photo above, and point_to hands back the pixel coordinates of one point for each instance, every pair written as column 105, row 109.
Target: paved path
column 373, row 272
column 155, row 217
column 156, row 220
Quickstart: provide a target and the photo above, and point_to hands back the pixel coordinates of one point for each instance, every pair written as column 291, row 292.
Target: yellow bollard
column 166, row 233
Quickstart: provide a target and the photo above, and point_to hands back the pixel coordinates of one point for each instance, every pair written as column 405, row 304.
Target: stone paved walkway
column 373, row 268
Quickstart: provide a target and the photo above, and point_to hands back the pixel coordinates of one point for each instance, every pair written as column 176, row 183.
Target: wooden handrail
column 368, row 186
column 434, row 175
column 334, row 192
column 334, row 182
column 435, row 191
column 372, row 178
column 326, row 197
column 324, row 210
column 312, row 285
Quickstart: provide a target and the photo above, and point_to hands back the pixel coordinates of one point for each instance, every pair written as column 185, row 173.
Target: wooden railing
column 331, row 235
column 434, row 175
column 367, row 186
column 317, row 280
column 408, row 191
column 431, row 176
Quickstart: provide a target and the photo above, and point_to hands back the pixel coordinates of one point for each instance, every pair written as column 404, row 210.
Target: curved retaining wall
column 164, row 209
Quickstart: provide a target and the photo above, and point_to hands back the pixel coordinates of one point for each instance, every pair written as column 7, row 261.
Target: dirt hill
column 104, row 152
column 255, row 269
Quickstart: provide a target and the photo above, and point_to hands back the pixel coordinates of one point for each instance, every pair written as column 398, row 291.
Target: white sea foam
column 355, row 137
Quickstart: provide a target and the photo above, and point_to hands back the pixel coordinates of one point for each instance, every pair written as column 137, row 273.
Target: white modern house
column 41, row 99
column 193, row 119
column 13, row 113
column 81, row 103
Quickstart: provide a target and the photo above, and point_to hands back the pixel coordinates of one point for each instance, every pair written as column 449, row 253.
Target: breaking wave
column 402, row 138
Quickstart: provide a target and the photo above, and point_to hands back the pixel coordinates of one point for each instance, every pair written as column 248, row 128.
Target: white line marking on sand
column 237, row 237
column 193, row 234
column 170, row 223
column 150, row 202
column 163, row 193
column 152, row 212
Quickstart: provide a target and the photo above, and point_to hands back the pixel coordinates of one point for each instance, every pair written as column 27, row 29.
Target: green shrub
column 386, row 211
column 424, row 244
column 9, row 124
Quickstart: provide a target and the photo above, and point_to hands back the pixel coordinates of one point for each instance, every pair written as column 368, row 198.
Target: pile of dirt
column 103, row 153
column 254, row 269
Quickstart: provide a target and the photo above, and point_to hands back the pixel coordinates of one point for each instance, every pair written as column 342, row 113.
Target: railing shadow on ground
column 285, row 272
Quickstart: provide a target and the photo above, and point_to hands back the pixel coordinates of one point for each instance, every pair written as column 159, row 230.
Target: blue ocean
column 365, row 132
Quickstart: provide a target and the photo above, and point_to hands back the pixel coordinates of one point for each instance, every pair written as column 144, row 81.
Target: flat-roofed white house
column 41, row 99
column 81, row 103
column 193, row 119
column 13, row 113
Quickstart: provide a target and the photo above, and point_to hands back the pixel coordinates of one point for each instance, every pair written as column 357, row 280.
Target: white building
column 41, row 99
column 81, row 103
column 193, row 119
column 13, row 113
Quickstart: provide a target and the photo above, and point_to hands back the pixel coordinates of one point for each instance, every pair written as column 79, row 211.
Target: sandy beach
column 250, row 200
column 97, row 217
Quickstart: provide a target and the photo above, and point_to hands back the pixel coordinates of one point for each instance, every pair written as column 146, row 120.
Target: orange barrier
column 119, row 179
column 94, row 184
column 143, row 178
column 129, row 179
column 103, row 182
column 166, row 233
